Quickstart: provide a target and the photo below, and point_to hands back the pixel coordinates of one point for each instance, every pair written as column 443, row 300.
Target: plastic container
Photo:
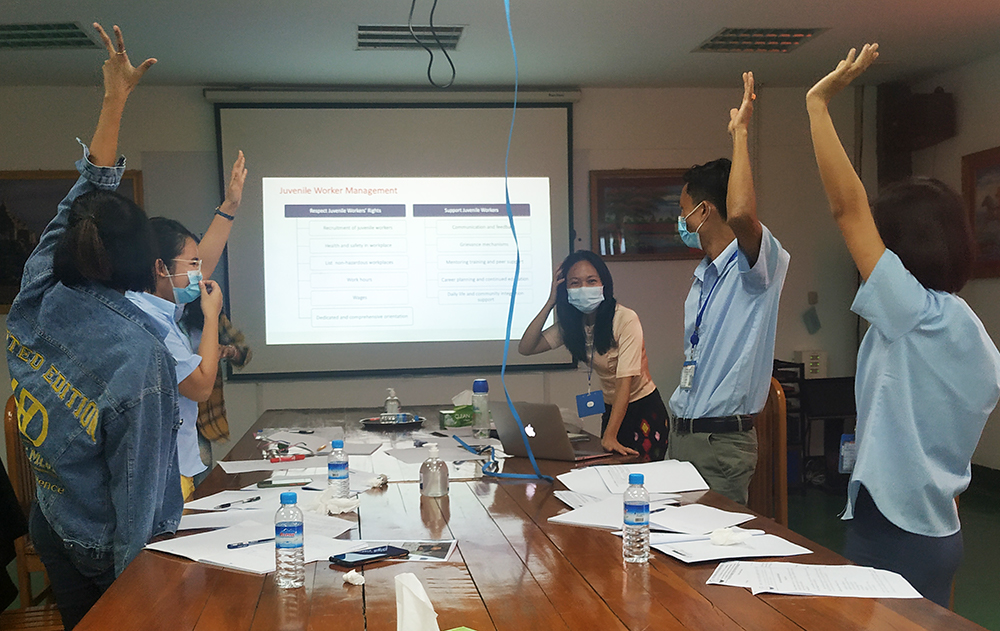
column 289, row 556
column 480, row 409
column 635, row 531
column 337, row 474
column 433, row 474
column 392, row 403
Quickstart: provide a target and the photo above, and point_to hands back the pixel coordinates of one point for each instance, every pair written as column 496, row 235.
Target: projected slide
column 355, row 260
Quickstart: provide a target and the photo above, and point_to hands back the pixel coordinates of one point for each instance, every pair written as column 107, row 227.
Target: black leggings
column 928, row 563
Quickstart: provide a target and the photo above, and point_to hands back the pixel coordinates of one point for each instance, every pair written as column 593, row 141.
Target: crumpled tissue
column 354, row 578
column 327, row 504
column 462, row 398
column 414, row 611
column 728, row 536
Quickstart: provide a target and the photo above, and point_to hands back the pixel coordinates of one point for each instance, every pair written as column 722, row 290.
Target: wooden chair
column 23, row 481
column 45, row 618
column 769, row 485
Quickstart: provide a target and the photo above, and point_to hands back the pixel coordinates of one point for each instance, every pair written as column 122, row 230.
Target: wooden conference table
column 512, row 570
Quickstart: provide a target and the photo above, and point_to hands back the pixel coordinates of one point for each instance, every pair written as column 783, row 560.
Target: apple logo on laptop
column 529, row 430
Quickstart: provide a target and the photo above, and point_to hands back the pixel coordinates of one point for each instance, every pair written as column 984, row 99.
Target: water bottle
column 480, row 409
column 338, row 476
column 289, row 556
column 635, row 535
column 433, row 474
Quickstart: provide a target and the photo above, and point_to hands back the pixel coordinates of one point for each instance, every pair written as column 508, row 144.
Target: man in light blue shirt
column 730, row 317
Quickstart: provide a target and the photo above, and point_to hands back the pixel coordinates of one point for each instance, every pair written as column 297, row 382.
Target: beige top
column 626, row 359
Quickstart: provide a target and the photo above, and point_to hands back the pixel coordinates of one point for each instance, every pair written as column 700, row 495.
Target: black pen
column 244, row 544
column 246, row 501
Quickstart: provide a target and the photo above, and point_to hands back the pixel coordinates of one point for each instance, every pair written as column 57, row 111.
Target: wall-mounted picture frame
column 633, row 215
column 981, row 189
column 28, row 202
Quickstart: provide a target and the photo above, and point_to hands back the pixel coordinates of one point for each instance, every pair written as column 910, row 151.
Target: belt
column 715, row 424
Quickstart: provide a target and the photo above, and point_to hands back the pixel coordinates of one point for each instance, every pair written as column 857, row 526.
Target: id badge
column 590, row 403
column 848, row 453
column 687, row 374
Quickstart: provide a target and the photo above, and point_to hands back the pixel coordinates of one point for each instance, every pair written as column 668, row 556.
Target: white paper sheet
column 574, row 499
column 762, row 545
column 666, row 476
column 245, row 466
column 210, row 547
column 417, row 455
column 268, row 497
column 606, row 513
column 696, row 519
column 848, row 581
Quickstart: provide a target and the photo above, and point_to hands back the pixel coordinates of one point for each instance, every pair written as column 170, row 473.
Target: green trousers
column 726, row 461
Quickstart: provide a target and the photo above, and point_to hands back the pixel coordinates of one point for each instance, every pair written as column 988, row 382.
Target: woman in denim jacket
column 95, row 386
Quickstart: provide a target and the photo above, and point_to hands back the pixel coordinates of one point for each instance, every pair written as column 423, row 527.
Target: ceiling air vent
column 388, row 37
column 60, row 35
column 758, row 40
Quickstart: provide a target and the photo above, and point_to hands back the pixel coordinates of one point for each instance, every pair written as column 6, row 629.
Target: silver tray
column 403, row 420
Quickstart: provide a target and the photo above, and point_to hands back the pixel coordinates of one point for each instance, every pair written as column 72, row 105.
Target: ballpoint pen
column 288, row 458
column 234, row 502
column 244, row 544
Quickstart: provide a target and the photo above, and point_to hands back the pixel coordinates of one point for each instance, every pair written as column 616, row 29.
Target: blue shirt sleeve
column 892, row 300
column 765, row 270
column 179, row 348
column 38, row 268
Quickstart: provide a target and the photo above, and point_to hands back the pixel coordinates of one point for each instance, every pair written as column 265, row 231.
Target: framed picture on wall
column 981, row 189
column 633, row 215
column 28, row 202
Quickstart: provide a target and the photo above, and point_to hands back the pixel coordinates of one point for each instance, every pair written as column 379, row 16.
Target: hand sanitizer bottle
column 391, row 403
column 433, row 474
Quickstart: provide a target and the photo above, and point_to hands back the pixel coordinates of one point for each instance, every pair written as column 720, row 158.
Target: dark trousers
column 644, row 427
column 928, row 563
column 79, row 575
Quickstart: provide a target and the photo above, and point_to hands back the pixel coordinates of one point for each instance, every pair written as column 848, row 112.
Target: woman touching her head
column 606, row 337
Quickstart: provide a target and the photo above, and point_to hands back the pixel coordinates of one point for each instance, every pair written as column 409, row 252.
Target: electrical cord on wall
column 430, row 64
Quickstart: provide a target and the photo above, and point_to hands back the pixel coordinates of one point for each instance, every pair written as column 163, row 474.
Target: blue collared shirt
column 97, row 401
column 735, row 350
column 928, row 378
column 165, row 315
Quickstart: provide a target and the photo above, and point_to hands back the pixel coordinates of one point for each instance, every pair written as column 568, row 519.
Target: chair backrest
column 18, row 468
column 769, row 486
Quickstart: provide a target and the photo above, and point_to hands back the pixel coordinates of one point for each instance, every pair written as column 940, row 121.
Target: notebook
column 546, row 432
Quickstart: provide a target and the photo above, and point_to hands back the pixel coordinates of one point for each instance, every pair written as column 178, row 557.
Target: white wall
column 977, row 91
column 613, row 129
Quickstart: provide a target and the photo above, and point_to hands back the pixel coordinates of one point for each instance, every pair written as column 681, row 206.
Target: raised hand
column 211, row 300
column 845, row 72
column 234, row 192
column 558, row 278
column 740, row 118
column 120, row 76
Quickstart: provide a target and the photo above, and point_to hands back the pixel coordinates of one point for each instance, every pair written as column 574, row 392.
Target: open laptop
column 546, row 432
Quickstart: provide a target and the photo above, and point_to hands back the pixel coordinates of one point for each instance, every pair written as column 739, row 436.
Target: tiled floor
column 814, row 514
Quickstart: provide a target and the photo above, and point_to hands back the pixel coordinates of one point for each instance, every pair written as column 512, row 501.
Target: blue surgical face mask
column 586, row 299
column 690, row 239
column 184, row 295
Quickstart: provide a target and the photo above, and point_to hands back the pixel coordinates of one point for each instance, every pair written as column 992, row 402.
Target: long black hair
column 107, row 240
column 570, row 319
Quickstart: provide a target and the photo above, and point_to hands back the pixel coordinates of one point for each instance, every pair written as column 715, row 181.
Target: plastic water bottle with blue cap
column 289, row 555
column 338, row 476
column 480, row 408
column 635, row 531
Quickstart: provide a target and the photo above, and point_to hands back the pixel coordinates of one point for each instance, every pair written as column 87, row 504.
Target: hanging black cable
column 430, row 64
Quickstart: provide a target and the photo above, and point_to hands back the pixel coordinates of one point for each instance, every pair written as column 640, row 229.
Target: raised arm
column 214, row 241
column 120, row 78
column 848, row 199
column 532, row 341
column 741, row 199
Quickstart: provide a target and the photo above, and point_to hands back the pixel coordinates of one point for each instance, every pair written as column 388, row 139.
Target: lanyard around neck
column 704, row 303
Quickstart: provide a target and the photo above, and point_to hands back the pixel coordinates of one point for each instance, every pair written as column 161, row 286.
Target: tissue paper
column 354, row 578
column 414, row 611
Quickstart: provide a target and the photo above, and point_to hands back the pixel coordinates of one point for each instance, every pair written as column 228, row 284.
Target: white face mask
column 586, row 299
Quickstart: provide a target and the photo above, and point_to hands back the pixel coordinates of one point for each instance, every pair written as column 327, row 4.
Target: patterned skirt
column 644, row 427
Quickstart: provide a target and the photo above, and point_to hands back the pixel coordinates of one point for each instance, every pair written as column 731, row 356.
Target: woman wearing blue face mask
column 181, row 268
column 606, row 337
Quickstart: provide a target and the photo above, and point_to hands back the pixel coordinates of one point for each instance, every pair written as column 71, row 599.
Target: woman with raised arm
column 182, row 265
column 95, row 387
column 606, row 337
column 928, row 374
